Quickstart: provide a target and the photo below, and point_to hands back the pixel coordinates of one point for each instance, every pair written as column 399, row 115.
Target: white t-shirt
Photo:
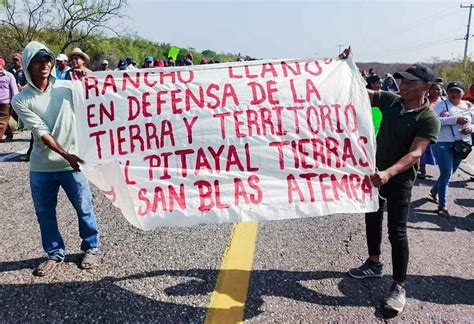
column 448, row 120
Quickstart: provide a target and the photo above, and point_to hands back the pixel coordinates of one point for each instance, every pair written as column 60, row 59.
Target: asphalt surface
column 168, row 275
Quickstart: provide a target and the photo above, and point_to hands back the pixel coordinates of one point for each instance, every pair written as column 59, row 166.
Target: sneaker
column 369, row 269
column 396, row 299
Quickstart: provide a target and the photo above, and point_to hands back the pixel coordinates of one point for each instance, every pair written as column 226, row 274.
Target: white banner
column 261, row 140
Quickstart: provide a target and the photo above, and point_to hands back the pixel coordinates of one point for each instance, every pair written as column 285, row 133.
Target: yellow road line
column 228, row 299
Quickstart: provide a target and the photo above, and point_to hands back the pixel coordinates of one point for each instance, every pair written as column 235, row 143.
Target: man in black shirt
column 19, row 74
column 408, row 127
column 17, row 71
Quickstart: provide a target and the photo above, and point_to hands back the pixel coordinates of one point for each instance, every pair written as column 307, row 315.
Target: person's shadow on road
column 423, row 215
column 107, row 299
column 300, row 286
column 453, row 184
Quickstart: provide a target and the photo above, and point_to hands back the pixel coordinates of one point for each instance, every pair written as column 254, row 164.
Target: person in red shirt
column 469, row 96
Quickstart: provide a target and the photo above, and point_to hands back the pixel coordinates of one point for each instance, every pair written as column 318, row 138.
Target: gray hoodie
column 48, row 112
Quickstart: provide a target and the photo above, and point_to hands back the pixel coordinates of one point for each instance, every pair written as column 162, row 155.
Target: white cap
column 105, row 62
column 62, row 57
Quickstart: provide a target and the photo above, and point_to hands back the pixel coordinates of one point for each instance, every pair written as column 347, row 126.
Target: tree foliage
column 64, row 24
column 22, row 23
column 73, row 21
column 100, row 47
column 459, row 71
column 78, row 19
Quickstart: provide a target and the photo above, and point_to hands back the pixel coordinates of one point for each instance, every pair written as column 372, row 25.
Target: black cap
column 40, row 54
column 416, row 72
column 458, row 85
column 374, row 78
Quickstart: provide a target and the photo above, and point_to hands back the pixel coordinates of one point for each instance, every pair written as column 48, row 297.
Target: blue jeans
column 447, row 164
column 44, row 189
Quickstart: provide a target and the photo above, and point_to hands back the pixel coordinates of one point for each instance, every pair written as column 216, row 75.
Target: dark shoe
column 369, row 269
column 396, row 299
column 47, row 267
column 443, row 212
column 9, row 138
column 433, row 196
column 89, row 260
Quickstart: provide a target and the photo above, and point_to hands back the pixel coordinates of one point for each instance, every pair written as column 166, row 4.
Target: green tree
column 79, row 19
column 22, row 23
column 459, row 71
column 73, row 21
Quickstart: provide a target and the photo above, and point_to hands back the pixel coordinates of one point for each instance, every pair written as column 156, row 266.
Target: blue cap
column 40, row 54
column 122, row 64
column 149, row 59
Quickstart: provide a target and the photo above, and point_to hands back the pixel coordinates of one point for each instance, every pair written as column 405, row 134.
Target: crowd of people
column 421, row 119
column 151, row 62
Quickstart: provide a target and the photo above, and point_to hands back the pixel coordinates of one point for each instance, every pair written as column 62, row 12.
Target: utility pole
column 468, row 28
column 340, row 48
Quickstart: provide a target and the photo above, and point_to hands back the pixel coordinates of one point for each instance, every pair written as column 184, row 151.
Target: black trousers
column 397, row 198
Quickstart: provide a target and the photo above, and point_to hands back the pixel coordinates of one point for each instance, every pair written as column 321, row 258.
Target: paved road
column 168, row 275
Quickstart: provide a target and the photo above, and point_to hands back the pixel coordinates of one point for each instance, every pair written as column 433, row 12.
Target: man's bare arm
column 417, row 148
column 53, row 144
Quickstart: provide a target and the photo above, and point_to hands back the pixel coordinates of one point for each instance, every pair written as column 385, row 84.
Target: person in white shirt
column 62, row 66
column 457, row 118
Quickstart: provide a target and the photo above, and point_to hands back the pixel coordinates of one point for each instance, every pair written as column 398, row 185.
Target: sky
column 378, row 31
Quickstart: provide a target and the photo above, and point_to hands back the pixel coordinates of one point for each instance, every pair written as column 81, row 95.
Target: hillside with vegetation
column 448, row 70
column 63, row 25
column 66, row 24
column 100, row 47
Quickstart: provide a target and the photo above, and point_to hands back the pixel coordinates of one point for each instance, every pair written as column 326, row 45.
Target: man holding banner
column 408, row 127
column 45, row 107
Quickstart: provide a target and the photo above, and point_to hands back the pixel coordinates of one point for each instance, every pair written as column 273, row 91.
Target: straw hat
column 77, row 51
